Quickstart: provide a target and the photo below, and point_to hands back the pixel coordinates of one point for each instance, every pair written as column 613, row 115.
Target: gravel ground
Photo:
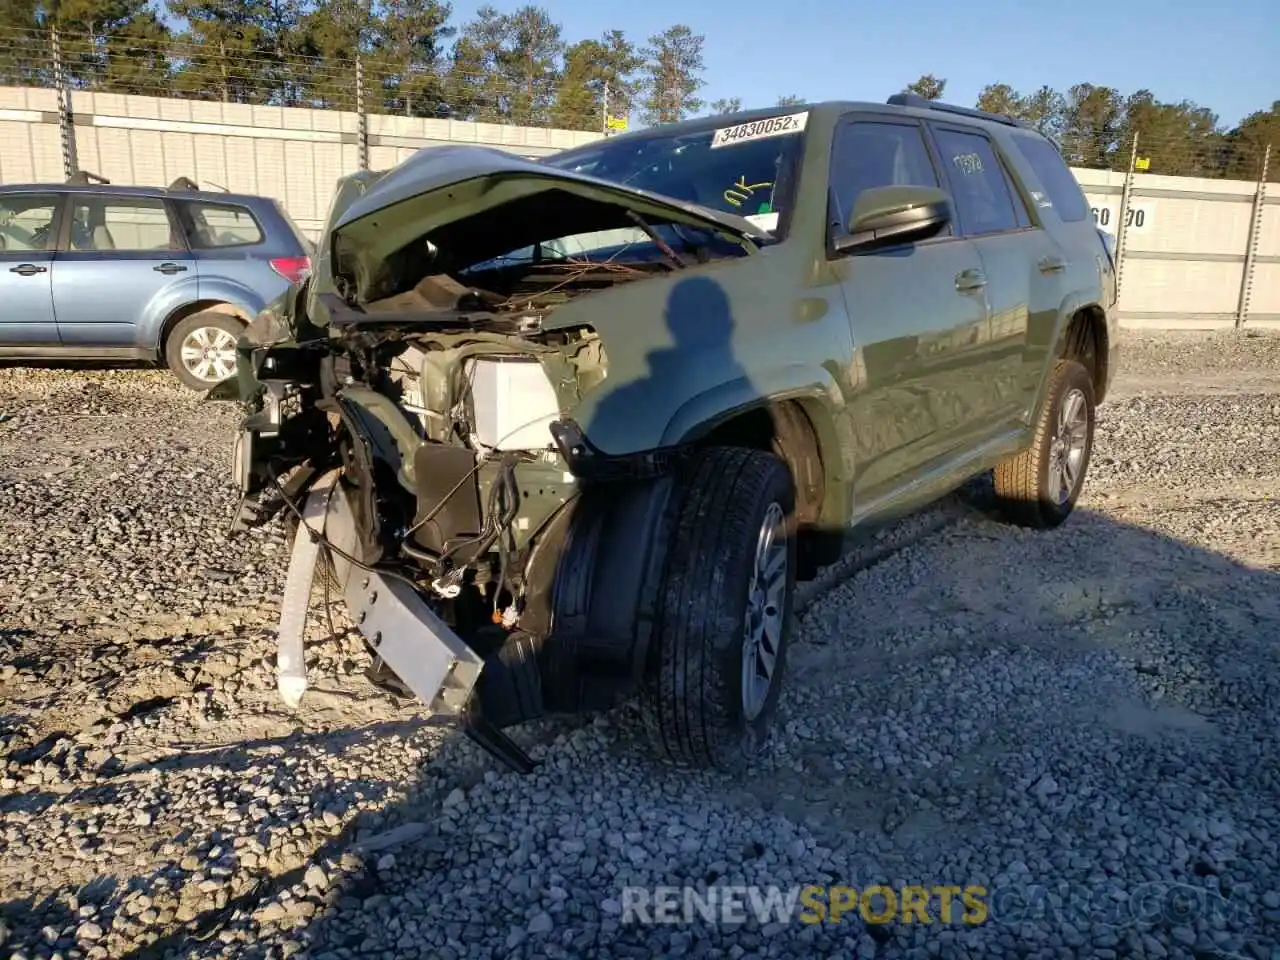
column 1082, row 722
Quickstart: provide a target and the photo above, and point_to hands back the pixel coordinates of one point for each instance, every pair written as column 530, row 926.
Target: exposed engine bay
column 415, row 420
column 436, row 425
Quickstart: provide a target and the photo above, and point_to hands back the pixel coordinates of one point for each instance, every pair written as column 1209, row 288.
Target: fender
column 703, row 412
column 1070, row 306
column 245, row 301
column 818, row 394
column 167, row 301
column 249, row 300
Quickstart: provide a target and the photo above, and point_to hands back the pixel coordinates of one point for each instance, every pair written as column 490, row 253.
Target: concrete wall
column 291, row 154
column 1184, row 249
column 1185, row 246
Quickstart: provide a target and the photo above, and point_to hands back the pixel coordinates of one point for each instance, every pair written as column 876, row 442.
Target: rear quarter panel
column 240, row 276
column 1088, row 280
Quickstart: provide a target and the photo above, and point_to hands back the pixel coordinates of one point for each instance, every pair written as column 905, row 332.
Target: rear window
column 1065, row 196
column 212, row 226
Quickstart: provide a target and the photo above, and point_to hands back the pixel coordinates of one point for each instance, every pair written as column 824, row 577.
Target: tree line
column 504, row 67
column 519, row 67
column 1096, row 126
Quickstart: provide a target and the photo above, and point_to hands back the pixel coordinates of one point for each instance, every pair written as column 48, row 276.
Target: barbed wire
column 382, row 82
column 1206, row 154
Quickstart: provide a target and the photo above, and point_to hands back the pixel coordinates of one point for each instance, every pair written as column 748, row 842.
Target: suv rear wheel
column 201, row 350
column 1039, row 487
column 719, row 651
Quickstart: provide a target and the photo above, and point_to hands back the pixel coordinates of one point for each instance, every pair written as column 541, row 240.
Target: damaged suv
column 568, row 430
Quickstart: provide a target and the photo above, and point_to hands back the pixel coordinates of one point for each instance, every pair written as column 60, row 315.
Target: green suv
column 567, row 431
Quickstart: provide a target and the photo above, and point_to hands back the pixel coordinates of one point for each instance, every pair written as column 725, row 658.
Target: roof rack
column 84, row 178
column 921, row 103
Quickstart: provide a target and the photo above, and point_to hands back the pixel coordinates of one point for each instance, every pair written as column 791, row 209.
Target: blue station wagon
column 97, row 271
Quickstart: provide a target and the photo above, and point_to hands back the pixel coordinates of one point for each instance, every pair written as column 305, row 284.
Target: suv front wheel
column 201, row 350
column 719, row 649
column 1040, row 486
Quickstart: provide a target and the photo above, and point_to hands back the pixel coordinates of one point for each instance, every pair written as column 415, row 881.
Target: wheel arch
column 786, row 428
column 801, row 431
column 792, row 412
column 190, row 310
column 1081, row 334
column 1085, row 338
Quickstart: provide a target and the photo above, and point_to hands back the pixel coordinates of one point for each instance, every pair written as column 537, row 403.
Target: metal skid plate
column 419, row 647
column 423, row 651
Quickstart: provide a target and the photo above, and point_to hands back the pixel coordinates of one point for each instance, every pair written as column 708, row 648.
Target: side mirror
column 886, row 216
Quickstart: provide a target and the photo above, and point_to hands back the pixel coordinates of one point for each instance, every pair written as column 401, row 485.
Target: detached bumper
column 416, row 644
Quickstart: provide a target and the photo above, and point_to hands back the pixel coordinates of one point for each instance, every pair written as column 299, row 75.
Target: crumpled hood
column 476, row 203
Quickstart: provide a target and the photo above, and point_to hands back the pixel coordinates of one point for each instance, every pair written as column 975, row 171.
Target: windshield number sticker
column 760, row 129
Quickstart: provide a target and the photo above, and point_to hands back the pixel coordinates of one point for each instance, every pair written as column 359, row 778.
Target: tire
column 209, row 330
column 1029, row 490
column 692, row 697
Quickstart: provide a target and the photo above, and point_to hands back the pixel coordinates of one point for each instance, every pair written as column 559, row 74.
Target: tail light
column 293, row 269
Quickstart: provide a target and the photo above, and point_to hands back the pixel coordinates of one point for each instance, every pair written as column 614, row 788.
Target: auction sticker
column 760, row 129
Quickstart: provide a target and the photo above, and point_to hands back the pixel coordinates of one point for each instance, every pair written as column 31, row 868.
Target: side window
column 124, row 224
column 1065, row 197
column 982, row 194
column 875, row 154
column 1019, row 205
column 211, row 226
column 27, row 222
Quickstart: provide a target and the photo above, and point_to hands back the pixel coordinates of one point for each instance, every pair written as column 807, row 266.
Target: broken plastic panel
column 417, row 645
column 291, row 664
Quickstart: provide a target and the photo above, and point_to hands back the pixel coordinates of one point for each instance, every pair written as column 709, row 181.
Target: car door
column 913, row 308
column 28, row 235
column 120, row 262
column 995, row 216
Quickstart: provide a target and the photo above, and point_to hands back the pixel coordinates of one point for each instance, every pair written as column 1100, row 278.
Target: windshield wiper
column 657, row 240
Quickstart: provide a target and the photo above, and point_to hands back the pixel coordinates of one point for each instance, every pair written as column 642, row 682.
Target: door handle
column 968, row 281
column 1052, row 265
column 28, row 269
column 169, row 269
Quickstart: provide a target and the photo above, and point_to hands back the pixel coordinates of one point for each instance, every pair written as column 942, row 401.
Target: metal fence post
column 1123, row 231
column 66, row 122
column 362, row 117
column 1251, row 244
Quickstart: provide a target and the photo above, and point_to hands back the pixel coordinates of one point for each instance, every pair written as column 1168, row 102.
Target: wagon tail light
column 293, row 269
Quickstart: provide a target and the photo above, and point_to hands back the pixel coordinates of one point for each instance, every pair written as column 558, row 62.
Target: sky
column 1225, row 56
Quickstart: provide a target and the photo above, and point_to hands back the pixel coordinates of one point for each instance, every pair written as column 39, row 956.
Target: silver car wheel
column 1067, row 448
column 209, row 353
column 766, row 605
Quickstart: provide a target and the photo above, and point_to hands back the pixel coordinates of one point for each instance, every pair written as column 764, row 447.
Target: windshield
column 747, row 169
